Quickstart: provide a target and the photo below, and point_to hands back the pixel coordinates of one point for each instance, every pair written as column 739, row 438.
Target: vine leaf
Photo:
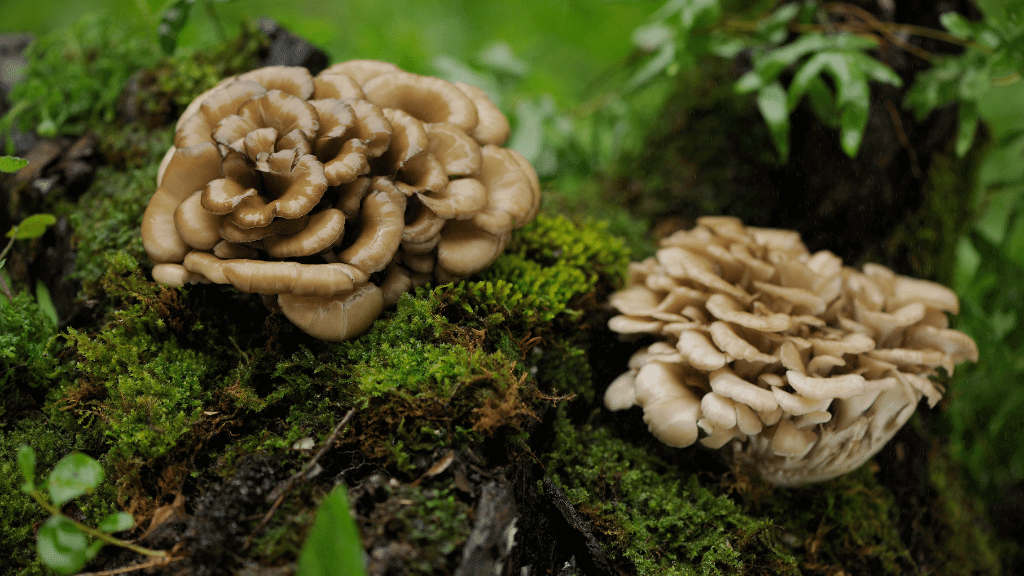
column 10, row 164
column 74, row 475
column 117, row 522
column 63, row 547
column 32, row 227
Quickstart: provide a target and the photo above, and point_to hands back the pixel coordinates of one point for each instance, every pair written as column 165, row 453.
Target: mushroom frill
column 333, row 194
column 804, row 366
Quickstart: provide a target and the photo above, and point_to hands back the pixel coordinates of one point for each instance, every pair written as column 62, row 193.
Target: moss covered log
column 478, row 436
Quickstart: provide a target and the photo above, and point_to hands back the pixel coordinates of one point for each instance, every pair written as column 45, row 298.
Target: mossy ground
column 205, row 395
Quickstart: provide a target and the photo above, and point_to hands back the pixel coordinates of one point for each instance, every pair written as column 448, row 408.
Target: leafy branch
column 64, row 544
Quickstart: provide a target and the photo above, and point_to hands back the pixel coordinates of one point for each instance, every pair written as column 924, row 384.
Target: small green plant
column 63, row 544
column 333, row 545
column 74, row 77
column 993, row 56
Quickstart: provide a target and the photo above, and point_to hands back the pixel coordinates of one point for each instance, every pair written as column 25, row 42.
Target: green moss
column 27, row 353
column 108, row 218
column 553, row 262
column 655, row 515
column 844, row 524
column 430, row 525
column 52, row 438
column 450, row 364
column 925, row 245
column 146, row 388
column 971, row 548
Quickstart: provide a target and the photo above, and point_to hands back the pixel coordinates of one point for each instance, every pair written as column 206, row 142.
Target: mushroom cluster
column 805, row 366
column 332, row 195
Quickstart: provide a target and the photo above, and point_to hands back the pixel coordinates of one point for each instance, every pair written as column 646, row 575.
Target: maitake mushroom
column 336, row 193
column 805, row 366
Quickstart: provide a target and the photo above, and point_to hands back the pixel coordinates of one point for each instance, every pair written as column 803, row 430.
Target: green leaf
column 769, row 66
column 775, row 27
column 801, row 82
column 27, row 464
column 749, row 82
column 658, row 63
column 957, row 25
column 62, row 546
column 699, row 13
column 852, row 121
column 649, row 37
column 771, row 101
column 967, row 128
column 73, row 476
column 172, row 21
column 32, row 227
column 45, row 302
column 875, row 70
column 500, row 58
column 12, row 163
column 117, row 522
column 823, row 102
column 333, row 546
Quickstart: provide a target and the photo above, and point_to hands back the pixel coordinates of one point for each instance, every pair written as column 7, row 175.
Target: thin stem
column 14, row 236
column 49, row 507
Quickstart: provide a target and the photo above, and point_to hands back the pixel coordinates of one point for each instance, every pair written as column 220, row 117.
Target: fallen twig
column 152, row 563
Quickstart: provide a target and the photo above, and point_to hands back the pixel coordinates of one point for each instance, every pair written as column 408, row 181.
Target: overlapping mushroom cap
column 337, row 192
column 805, row 366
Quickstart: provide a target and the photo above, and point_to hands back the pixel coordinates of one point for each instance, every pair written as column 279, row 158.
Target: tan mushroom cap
column 509, row 191
column 197, row 227
column 336, row 86
column 323, row 231
column 458, row 153
column 220, row 103
column 492, row 126
column 188, row 170
column 292, row 80
column 334, row 194
column 426, row 98
column 361, row 70
column 334, row 318
column 465, row 249
column 383, row 220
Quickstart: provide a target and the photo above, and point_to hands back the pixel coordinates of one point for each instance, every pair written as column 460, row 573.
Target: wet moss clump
column 656, row 516
column 28, row 353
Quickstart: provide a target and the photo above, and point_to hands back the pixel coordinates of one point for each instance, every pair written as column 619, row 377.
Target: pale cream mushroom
column 331, row 195
column 804, row 367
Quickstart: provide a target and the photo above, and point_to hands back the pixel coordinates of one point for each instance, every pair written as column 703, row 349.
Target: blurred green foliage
column 987, row 399
column 75, row 76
